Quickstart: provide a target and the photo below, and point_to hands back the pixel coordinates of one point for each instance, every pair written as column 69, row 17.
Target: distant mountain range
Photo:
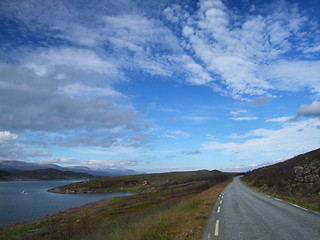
column 42, row 174
column 10, row 165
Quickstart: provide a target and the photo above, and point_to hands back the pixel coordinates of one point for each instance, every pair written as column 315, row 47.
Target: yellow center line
column 216, row 232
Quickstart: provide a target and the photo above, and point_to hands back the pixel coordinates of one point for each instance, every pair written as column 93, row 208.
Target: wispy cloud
column 108, row 163
column 246, row 54
column 279, row 119
column 288, row 138
column 176, row 134
column 195, row 152
column 244, row 118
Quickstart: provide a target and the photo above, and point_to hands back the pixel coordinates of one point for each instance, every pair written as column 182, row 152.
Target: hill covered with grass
column 144, row 182
column 168, row 206
column 296, row 180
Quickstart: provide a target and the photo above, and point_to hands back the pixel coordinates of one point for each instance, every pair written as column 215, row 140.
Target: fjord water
column 27, row 200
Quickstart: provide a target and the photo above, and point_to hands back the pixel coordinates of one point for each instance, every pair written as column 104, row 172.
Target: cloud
column 294, row 75
column 259, row 101
column 195, row 152
column 88, row 92
column 279, row 119
column 289, row 138
column 312, row 110
column 108, row 163
column 249, row 167
column 245, row 54
column 10, row 149
column 30, row 102
column 6, row 137
column 176, row 134
column 57, row 161
column 238, row 112
column 236, row 116
column 244, row 118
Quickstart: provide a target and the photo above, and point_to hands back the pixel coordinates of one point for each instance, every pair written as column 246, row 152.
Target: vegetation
column 172, row 206
column 296, row 180
column 41, row 174
column 134, row 183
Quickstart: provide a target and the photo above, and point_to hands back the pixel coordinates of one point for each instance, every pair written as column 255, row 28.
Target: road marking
column 209, row 236
column 216, row 232
column 218, row 209
column 278, row 199
column 299, row 207
column 220, row 201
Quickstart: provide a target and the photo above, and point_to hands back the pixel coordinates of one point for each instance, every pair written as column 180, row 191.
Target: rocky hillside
column 298, row 177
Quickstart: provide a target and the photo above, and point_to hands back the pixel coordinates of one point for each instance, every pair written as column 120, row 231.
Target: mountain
column 41, row 174
column 296, row 177
column 21, row 165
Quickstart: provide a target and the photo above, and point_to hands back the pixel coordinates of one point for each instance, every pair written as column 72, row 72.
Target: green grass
column 154, row 212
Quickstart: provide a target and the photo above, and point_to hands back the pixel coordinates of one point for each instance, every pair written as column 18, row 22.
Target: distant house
column 71, row 191
column 168, row 180
column 145, row 183
column 132, row 184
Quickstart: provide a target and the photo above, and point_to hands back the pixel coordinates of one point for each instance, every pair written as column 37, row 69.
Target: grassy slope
column 155, row 212
column 295, row 180
column 123, row 183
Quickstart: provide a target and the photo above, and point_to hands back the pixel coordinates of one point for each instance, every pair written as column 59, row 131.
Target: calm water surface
column 37, row 202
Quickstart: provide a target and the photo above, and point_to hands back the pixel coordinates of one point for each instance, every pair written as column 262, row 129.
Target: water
column 37, row 202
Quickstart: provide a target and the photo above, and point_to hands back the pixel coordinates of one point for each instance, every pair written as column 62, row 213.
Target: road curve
column 241, row 213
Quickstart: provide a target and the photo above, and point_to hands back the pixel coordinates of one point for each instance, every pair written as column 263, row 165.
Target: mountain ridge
column 13, row 165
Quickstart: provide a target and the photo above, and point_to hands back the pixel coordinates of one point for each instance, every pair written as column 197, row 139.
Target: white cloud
column 279, row 119
column 44, row 61
column 294, row 75
column 246, row 53
column 238, row 112
column 176, row 134
column 293, row 136
column 108, row 163
column 310, row 110
column 251, row 166
column 6, row 137
column 85, row 91
column 57, row 161
column 244, row 118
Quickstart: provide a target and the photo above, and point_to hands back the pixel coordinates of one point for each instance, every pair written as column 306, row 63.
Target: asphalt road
column 241, row 213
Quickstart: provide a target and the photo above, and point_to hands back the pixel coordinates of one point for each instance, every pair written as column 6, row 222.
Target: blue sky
column 159, row 85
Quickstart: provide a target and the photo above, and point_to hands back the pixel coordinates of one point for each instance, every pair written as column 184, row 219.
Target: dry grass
column 183, row 220
column 178, row 210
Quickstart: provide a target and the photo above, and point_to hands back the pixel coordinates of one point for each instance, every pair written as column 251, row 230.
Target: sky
column 159, row 86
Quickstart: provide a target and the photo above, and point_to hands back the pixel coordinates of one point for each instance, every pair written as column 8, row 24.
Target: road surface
column 241, row 213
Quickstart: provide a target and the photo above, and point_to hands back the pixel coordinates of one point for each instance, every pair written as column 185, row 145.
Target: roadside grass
column 175, row 210
column 283, row 195
column 185, row 219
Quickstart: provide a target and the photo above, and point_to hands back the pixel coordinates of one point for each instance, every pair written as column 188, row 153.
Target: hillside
column 168, row 206
column 297, row 178
column 135, row 183
column 41, row 174
column 11, row 165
